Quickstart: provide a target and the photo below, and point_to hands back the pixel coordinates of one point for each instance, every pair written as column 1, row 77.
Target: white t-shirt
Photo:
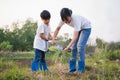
column 40, row 43
column 77, row 22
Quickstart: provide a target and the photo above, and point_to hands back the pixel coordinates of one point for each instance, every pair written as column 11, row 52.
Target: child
column 82, row 30
column 41, row 42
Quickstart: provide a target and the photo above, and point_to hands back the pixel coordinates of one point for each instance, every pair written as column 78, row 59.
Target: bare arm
column 55, row 35
column 56, row 32
column 43, row 36
column 75, row 36
column 50, row 36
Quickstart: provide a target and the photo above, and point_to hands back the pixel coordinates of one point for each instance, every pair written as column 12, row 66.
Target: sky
column 103, row 14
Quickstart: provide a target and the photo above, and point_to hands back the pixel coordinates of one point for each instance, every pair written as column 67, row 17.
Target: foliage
column 59, row 55
column 5, row 46
column 21, row 39
column 113, row 55
column 53, row 48
column 13, row 71
column 108, row 50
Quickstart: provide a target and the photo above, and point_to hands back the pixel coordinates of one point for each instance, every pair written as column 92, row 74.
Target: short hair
column 45, row 14
column 64, row 13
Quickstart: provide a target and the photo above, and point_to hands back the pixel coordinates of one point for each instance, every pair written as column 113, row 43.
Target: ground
column 16, row 66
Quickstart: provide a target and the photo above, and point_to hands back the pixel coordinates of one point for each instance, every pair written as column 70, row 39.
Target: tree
column 2, row 35
column 100, row 43
column 27, row 34
column 20, row 39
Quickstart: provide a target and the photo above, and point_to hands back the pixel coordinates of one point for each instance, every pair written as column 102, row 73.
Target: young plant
column 61, row 56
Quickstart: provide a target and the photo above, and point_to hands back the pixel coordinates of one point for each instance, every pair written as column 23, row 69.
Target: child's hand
column 53, row 42
column 46, row 39
column 66, row 49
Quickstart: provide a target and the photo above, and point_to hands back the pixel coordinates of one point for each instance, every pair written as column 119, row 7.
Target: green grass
column 16, row 55
column 9, row 70
column 16, row 66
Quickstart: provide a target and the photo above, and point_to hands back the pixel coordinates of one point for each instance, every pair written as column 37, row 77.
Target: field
column 16, row 66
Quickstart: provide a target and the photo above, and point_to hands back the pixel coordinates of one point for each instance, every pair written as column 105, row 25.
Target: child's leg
column 43, row 62
column 72, row 62
column 80, row 47
column 42, row 57
column 35, row 63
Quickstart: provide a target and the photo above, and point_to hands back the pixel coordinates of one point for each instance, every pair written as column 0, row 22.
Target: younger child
column 41, row 42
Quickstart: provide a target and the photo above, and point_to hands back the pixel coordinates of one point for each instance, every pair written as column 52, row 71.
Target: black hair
column 45, row 15
column 64, row 13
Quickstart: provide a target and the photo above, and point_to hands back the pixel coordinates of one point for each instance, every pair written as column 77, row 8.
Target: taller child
column 82, row 30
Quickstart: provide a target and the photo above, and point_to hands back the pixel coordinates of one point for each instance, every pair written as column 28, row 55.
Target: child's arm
column 43, row 36
column 50, row 36
column 75, row 36
column 56, row 32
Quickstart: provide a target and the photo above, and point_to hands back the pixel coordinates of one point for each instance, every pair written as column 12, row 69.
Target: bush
column 113, row 55
column 5, row 46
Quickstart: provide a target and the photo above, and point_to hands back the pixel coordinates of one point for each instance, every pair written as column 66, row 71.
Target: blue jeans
column 38, row 59
column 39, row 56
column 79, row 46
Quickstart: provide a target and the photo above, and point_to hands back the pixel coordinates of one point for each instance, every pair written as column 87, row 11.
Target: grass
column 16, row 55
column 16, row 66
column 9, row 70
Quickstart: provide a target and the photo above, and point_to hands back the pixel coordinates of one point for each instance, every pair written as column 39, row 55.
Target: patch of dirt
column 23, row 62
column 49, row 62
column 88, row 68
column 28, row 62
column 1, row 70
